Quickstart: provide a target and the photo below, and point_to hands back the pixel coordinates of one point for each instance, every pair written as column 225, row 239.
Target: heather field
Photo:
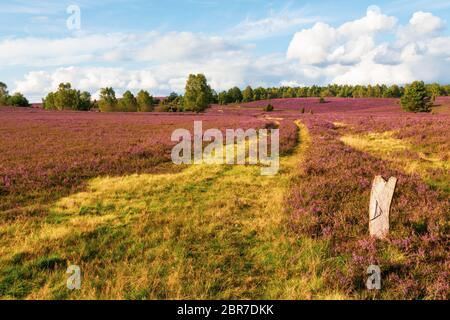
column 100, row 191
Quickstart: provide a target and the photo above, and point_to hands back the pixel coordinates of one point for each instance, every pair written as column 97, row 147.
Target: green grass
column 386, row 146
column 208, row 232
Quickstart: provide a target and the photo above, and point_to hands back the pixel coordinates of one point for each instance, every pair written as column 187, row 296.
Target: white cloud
column 373, row 49
column 222, row 72
column 422, row 25
column 116, row 47
column 353, row 53
column 323, row 44
column 274, row 24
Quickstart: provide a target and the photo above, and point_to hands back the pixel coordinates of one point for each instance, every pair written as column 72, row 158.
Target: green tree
column 247, row 95
column 4, row 94
column 128, row 103
column 84, row 101
column 235, row 95
column 66, row 98
column 223, row 98
column 394, row 91
column 434, row 90
column 214, row 96
column 49, row 101
column 259, row 94
column 198, row 93
column 144, row 101
column 416, row 98
column 18, row 100
column 108, row 100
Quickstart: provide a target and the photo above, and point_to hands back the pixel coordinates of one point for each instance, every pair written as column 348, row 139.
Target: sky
column 155, row 45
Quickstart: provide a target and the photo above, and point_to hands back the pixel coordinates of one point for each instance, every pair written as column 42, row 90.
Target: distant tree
column 84, row 101
column 302, row 92
column 259, row 94
column 370, row 92
column 198, row 93
column 49, row 101
column 434, row 90
column 108, row 100
column 394, row 91
column 289, row 93
column 247, row 94
column 416, row 98
column 144, row 102
column 171, row 98
column 128, row 103
column 235, row 95
column 4, row 94
column 223, row 98
column 446, row 89
column 66, row 98
column 173, row 103
column 3, row 89
column 214, row 96
column 18, row 100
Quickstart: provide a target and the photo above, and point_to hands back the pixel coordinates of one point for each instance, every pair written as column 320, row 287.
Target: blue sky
column 156, row 44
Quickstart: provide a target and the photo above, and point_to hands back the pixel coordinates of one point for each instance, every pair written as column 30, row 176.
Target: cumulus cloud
column 421, row 26
column 353, row 53
column 222, row 72
column 323, row 44
column 372, row 49
column 116, row 47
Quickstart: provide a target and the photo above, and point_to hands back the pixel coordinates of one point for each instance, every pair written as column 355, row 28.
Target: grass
column 406, row 155
column 207, row 232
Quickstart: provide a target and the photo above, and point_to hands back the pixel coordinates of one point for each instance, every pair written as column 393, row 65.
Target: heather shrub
column 268, row 108
column 330, row 200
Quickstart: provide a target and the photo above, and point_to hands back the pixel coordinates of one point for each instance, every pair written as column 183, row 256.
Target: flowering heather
column 43, row 153
column 304, row 235
column 331, row 105
column 330, row 201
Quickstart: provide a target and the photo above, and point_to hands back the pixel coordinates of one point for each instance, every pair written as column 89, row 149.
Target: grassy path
column 208, row 232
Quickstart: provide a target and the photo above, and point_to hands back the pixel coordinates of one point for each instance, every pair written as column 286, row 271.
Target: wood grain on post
column 380, row 206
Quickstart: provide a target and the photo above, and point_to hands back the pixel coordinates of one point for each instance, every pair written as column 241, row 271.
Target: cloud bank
column 373, row 49
column 355, row 53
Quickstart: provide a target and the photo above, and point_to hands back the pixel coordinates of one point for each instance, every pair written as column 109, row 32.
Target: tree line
column 66, row 98
column 199, row 95
column 235, row 95
column 16, row 100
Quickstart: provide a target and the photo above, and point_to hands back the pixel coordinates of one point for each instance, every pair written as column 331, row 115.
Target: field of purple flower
column 46, row 155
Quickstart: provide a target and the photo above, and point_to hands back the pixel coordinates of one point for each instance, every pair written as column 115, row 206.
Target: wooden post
column 380, row 206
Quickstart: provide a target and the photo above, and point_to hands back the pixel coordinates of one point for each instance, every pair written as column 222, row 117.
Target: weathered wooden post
column 380, row 206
